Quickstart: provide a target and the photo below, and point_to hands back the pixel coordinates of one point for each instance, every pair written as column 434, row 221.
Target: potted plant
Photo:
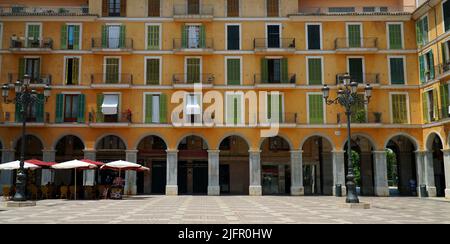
column 377, row 117
column 360, row 116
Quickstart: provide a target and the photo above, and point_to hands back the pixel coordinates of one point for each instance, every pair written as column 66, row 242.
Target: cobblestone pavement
column 230, row 210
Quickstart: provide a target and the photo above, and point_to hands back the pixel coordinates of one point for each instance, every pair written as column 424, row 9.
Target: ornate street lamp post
column 347, row 96
column 25, row 96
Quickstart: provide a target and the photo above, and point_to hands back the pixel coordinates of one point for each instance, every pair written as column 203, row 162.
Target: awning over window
column 110, row 104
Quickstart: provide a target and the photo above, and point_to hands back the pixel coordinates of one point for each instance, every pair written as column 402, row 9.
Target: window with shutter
column 71, row 108
column 422, row 31
column 425, row 107
column 233, row 8
column 193, row 70
column 153, row 71
column 395, row 36
column 445, row 103
column 314, row 38
column 275, row 109
column 233, row 71
column 233, row 37
column 33, row 35
column 72, row 69
column 354, row 35
column 234, row 109
column 356, row 69
column 112, row 74
column 315, row 71
column 153, row 33
column 154, row 8
column 272, row 8
column 59, row 113
column 399, row 108
column 397, row 72
column 316, row 110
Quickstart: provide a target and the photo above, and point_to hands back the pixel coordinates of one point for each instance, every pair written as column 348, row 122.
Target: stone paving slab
column 230, row 210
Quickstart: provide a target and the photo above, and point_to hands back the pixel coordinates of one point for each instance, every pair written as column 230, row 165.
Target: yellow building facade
column 117, row 69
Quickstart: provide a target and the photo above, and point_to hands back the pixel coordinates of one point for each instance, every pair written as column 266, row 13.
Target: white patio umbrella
column 74, row 164
column 16, row 165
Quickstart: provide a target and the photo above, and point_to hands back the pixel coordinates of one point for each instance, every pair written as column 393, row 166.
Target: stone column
column 255, row 188
column 380, row 174
column 48, row 155
column 297, row 188
column 90, row 154
column 447, row 172
column 213, row 173
column 130, row 176
column 429, row 174
column 339, row 171
column 172, row 173
column 420, row 156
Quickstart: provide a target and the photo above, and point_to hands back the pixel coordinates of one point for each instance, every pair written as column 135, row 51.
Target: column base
column 382, row 191
column 297, row 191
column 431, row 191
column 131, row 191
column 171, row 190
column 255, row 191
column 344, row 191
column 213, row 190
column 447, row 193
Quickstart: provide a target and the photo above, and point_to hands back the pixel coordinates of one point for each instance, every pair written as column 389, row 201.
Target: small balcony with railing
column 30, row 45
column 282, row 118
column 271, row 80
column 359, row 45
column 193, row 47
column 193, row 12
column 353, row 10
column 444, row 69
column 363, row 78
column 116, row 80
column 35, row 79
column 112, row 45
column 16, row 10
column 278, row 46
column 360, row 118
column 100, row 120
column 187, row 79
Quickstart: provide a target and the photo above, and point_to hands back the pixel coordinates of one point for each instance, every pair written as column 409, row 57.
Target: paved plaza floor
column 230, row 210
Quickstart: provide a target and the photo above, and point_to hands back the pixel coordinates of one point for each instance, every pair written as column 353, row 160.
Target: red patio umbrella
column 92, row 162
column 40, row 163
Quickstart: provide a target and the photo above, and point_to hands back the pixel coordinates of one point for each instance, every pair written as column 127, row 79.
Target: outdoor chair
column 63, row 193
column 102, row 193
column 6, row 193
column 45, row 192
column 33, row 192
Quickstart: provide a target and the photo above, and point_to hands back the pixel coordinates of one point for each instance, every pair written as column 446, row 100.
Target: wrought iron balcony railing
column 193, row 10
column 44, row 11
column 179, row 44
column 17, row 43
column 36, row 79
column 112, row 43
column 349, row 43
column 269, row 80
column 366, row 78
column 98, row 117
column 264, row 43
column 196, row 78
column 111, row 79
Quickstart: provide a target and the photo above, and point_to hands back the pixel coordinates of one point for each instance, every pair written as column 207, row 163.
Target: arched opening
column 33, row 148
column 362, row 158
column 234, row 172
column 109, row 149
column 69, row 148
column 435, row 146
column 401, row 167
column 152, row 154
column 275, row 166
column 193, row 166
column 317, row 166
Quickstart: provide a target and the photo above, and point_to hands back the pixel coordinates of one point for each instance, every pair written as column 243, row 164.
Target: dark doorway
column 273, row 36
column 224, row 178
column 159, row 177
column 182, row 177
column 200, row 177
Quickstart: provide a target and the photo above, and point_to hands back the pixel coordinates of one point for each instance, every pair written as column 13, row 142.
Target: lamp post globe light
column 25, row 96
column 347, row 97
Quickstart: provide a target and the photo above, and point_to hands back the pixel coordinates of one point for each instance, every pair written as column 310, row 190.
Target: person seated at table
column 118, row 181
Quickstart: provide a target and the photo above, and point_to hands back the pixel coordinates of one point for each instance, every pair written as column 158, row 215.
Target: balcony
column 289, row 80
column 363, row 45
column 287, row 118
column 112, row 45
column 278, row 46
column 104, row 80
column 355, row 10
column 192, row 79
column 99, row 120
column 444, row 69
column 30, row 45
column 367, row 78
column 40, row 79
column 44, row 11
column 197, row 47
column 362, row 117
column 193, row 12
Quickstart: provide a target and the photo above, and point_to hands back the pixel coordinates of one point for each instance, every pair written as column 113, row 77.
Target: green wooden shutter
column 39, row 105
column 75, row 70
column 64, row 37
column 418, row 33
column 238, row 109
column 397, row 71
column 444, row 100
column 153, row 37
column 152, row 72
column 122, row 40
column 148, row 108
column 284, row 71
column 422, row 68
column 59, row 113
column 18, row 114
column 269, row 106
column 431, row 65
column 202, row 37
column 34, row 32
column 425, row 107
column 395, row 36
column 315, row 71
column 21, row 68
column 184, row 36
column 99, row 114
column 425, row 30
column 233, row 71
column 445, row 57
column 436, row 104
column 264, row 70
column 104, row 36
column 316, row 109
column 354, row 36
column 163, row 108
column 399, row 109
column 76, row 37
column 81, row 108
